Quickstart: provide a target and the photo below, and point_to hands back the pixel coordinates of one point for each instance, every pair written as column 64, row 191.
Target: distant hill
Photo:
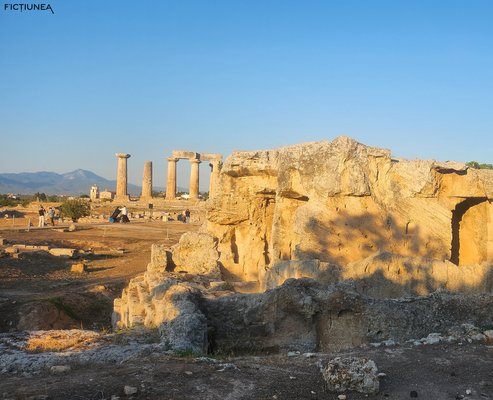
column 72, row 183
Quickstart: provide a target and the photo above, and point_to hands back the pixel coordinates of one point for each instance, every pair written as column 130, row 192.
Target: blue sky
column 147, row 77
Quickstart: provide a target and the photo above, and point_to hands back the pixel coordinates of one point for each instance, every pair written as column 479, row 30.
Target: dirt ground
column 437, row 372
column 121, row 251
column 118, row 253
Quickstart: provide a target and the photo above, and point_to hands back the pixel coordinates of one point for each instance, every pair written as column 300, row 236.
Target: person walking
column 51, row 215
column 187, row 216
column 41, row 212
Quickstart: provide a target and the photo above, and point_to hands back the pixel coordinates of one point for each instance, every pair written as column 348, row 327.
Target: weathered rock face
column 340, row 202
column 368, row 229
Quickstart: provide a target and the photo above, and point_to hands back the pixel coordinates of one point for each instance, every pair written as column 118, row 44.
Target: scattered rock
column 11, row 250
column 342, row 397
column 293, row 353
column 130, row 390
column 72, row 228
column 60, row 369
column 78, row 268
column 3, row 241
column 357, row 374
column 413, row 394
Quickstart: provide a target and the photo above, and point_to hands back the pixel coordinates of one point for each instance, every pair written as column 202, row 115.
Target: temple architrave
column 195, row 159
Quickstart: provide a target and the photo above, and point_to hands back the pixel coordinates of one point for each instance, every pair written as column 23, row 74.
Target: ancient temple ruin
column 195, row 159
column 353, row 225
column 215, row 162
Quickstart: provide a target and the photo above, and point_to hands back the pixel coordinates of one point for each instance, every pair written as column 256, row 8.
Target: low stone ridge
column 301, row 314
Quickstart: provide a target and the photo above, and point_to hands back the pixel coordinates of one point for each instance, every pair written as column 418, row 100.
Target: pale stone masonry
column 147, row 181
column 194, row 179
column 171, row 183
column 121, row 178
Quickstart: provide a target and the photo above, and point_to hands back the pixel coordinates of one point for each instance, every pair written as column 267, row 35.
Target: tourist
column 187, row 216
column 124, row 217
column 41, row 212
column 51, row 215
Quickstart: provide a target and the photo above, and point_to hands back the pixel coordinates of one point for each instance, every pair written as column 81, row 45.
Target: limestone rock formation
column 196, row 253
column 340, row 202
column 376, row 245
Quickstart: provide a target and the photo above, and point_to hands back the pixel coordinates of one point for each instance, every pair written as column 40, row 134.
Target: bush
column 476, row 165
column 75, row 209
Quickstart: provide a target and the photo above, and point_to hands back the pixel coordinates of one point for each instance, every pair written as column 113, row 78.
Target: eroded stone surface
column 341, row 202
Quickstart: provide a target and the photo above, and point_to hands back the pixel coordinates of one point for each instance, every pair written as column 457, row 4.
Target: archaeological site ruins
column 320, row 246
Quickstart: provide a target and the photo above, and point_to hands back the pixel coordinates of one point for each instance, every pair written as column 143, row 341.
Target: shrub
column 75, row 209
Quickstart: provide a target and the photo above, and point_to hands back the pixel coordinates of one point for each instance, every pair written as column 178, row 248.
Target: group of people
column 186, row 216
column 51, row 213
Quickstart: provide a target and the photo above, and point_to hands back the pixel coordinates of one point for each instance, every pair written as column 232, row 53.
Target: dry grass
column 56, row 341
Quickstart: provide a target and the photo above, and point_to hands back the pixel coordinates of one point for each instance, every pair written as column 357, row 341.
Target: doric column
column 194, row 179
column 147, row 181
column 171, row 183
column 214, row 177
column 121, row 177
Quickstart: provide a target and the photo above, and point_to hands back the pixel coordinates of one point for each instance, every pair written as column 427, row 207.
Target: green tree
column 476, row 165
column 39, row 197
column 75, row 209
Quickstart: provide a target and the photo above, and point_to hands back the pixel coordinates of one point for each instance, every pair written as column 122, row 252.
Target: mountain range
column 71, row 183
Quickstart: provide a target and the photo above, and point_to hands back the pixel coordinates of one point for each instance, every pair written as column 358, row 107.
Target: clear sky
column 146, row 77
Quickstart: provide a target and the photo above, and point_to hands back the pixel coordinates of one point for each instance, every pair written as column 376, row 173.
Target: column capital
column 172, row 159
column 122, row 155
column 194, row 160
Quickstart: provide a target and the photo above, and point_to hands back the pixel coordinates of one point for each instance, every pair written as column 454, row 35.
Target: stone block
column 3, row 241
column 78, row 268
column 62, row 252
column 11, row 250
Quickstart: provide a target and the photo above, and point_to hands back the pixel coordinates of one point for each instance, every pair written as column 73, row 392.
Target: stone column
column 147, row 182
column 171, row 183
column 214, row 177
column 121, row 177
column 194, row 179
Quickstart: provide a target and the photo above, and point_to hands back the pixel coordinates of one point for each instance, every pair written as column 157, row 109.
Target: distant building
column 106, row 195
column 94, row 192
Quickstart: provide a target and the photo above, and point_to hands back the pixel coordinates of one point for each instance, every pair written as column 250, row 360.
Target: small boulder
column 129, row 390
column 72, row 228
column 59, row 369
column 356, row 374
column 79, row 268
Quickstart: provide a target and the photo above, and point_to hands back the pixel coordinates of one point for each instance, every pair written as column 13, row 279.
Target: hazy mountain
column 72, row 183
